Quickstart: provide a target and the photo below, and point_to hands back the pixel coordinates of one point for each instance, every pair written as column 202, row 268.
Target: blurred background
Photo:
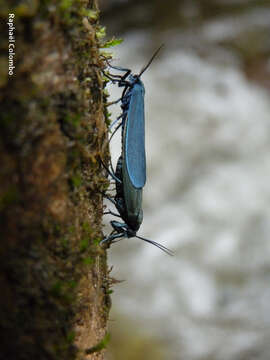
column 207, row 194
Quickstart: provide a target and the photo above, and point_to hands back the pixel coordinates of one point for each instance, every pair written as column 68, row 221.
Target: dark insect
column 133, row 122
column 128, row 202
column 130, row 174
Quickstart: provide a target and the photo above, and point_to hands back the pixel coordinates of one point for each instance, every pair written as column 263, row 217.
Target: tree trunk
column 55, row 298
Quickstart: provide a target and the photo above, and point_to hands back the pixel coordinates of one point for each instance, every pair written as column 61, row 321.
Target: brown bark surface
column 54, row 302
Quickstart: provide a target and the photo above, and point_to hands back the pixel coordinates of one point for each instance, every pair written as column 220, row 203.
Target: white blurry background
column 207, row 198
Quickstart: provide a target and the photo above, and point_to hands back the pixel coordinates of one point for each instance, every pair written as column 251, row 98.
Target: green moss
column 106, row 54
column 108, row 118
column 76, row 180
column 73, row 119
column 74, row 158
column 71, row 337
column 10, row 197
column 101, row 32
column 72, row 284
column 87, row 228
column 65, row 4
column 84, row 244
column 64, row 242
column 106, row 93
column 64, row 290
column 91, row 14
column 71, row 229
column 97, row 240
column 111, row 43
column 56, row 289
column 56, row 229
column 67, row 12
column 101, row 345
column 88, row 260
column 6, row 119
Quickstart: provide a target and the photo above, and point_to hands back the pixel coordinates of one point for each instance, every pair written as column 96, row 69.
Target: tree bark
column 55, row 298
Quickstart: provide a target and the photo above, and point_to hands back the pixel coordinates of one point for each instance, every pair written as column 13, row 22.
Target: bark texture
column 55, row 298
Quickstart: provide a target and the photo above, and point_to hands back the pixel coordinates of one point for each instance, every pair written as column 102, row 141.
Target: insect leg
column 113, row 102
column 123, row 77
column 109, row 198
column 115, row 121
column 111, row 213
column 112, row 77
column 115, row 130
column 128, row 71
column 111, row 238
column 111, row 173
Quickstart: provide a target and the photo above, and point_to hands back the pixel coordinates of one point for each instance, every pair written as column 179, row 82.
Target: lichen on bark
column 55, row 297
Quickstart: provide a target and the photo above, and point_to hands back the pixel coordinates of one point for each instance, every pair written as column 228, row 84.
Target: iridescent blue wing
column 134, row 138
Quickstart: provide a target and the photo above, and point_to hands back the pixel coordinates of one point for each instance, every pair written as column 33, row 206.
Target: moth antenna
column 150, row 61
column 161, row 247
